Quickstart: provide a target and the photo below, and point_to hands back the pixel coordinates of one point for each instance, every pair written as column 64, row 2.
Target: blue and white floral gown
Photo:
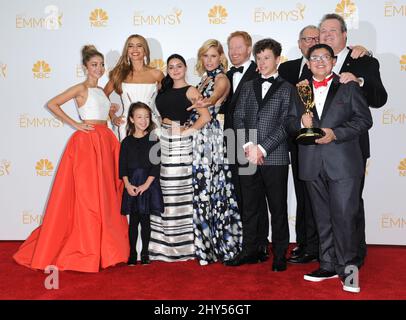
column 216, row 219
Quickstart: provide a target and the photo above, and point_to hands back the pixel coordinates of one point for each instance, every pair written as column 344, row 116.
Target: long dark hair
column 133, row 107
column 167, row 81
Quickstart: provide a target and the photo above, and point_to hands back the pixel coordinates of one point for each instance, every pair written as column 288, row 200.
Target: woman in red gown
column 83, row 229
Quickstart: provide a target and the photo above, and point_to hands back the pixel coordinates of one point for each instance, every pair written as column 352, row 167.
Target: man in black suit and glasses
column 365, row 72
column 262, row 107
column 239, row 52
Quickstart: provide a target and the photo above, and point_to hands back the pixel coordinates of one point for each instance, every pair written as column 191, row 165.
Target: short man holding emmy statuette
column 331, row 165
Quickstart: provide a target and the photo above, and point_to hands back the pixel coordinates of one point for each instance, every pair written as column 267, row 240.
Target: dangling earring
column 128, row 61
column 145, row 60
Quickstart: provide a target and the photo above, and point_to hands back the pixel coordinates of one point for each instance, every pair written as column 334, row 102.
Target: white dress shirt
column 304, row 60
column 237, row 76
column 320, row 96
column 265, row 87
column 340, row 60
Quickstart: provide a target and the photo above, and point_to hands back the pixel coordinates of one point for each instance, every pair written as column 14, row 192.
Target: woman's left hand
column 201, row 103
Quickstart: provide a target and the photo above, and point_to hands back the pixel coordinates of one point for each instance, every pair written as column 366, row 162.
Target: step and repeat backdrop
column 40, row 57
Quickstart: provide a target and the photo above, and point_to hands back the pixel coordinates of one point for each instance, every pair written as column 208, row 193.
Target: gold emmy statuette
column 308, row 135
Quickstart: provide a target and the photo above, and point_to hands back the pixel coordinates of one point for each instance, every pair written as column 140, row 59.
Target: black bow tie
column 270, row 80
column 239, row 69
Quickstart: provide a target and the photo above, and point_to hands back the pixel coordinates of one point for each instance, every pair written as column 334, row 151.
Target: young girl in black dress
column 139, row 169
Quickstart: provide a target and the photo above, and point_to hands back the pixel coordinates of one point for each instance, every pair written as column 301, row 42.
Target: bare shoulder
column 77, row 89
column 157, row 74
column 221, row 77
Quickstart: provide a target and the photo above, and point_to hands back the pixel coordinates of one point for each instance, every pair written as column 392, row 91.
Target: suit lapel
column 306, row 73
column 270, row 92
column 314, row 109
column 330, row 95
column 258, row 91
column 347, row 63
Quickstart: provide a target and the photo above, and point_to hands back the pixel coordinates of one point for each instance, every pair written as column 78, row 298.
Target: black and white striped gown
column 172, row 234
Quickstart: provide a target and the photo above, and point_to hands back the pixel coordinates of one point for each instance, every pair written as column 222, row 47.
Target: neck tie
column 323, row 83
column 239, row 69
column 270, row 80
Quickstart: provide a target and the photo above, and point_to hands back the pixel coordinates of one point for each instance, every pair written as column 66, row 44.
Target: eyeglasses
column 310, row 39
column 325, row 58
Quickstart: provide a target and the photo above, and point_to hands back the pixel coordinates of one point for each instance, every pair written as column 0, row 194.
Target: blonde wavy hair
column 124, row 66
column 211, row 43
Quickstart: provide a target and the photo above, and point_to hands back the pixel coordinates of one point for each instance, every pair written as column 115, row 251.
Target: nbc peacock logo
column 44, row 168
column 41, row 70
column 346, row 8
column 5, row 167
column 98, row 18
column 403, row 63
column 158, row 64
column 218, row 15
column 402, row 168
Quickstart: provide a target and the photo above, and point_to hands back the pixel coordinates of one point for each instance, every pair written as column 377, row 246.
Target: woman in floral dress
column 216, row 220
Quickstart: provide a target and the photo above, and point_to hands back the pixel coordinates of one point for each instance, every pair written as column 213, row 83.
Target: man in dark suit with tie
column 365, row 72
column 239, row 52
column 333, row 167
column 262, row 107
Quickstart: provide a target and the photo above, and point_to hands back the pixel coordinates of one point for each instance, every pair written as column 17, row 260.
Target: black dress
column 135, row 163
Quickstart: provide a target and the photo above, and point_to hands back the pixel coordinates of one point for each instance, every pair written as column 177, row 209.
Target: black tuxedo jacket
column 229, row 107
column 373, row 89
column 289, row 71
column 266, row 116
column 368, row 69
column 346, row 112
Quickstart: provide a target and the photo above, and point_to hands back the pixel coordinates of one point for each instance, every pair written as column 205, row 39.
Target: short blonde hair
column 247, row 38
column 211, row 43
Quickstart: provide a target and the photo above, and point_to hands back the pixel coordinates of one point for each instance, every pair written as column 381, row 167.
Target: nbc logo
column 98, row 18
column 217, row 15
column 44, row 168
column 403, row 62
column 402, row 168
column 349, row 11
column 346, row 8
column 41, row 70
column 3, row 70
column 158, row 64
column 5, row 168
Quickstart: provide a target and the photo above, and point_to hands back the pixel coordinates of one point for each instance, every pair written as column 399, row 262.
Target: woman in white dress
column 133, row 80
